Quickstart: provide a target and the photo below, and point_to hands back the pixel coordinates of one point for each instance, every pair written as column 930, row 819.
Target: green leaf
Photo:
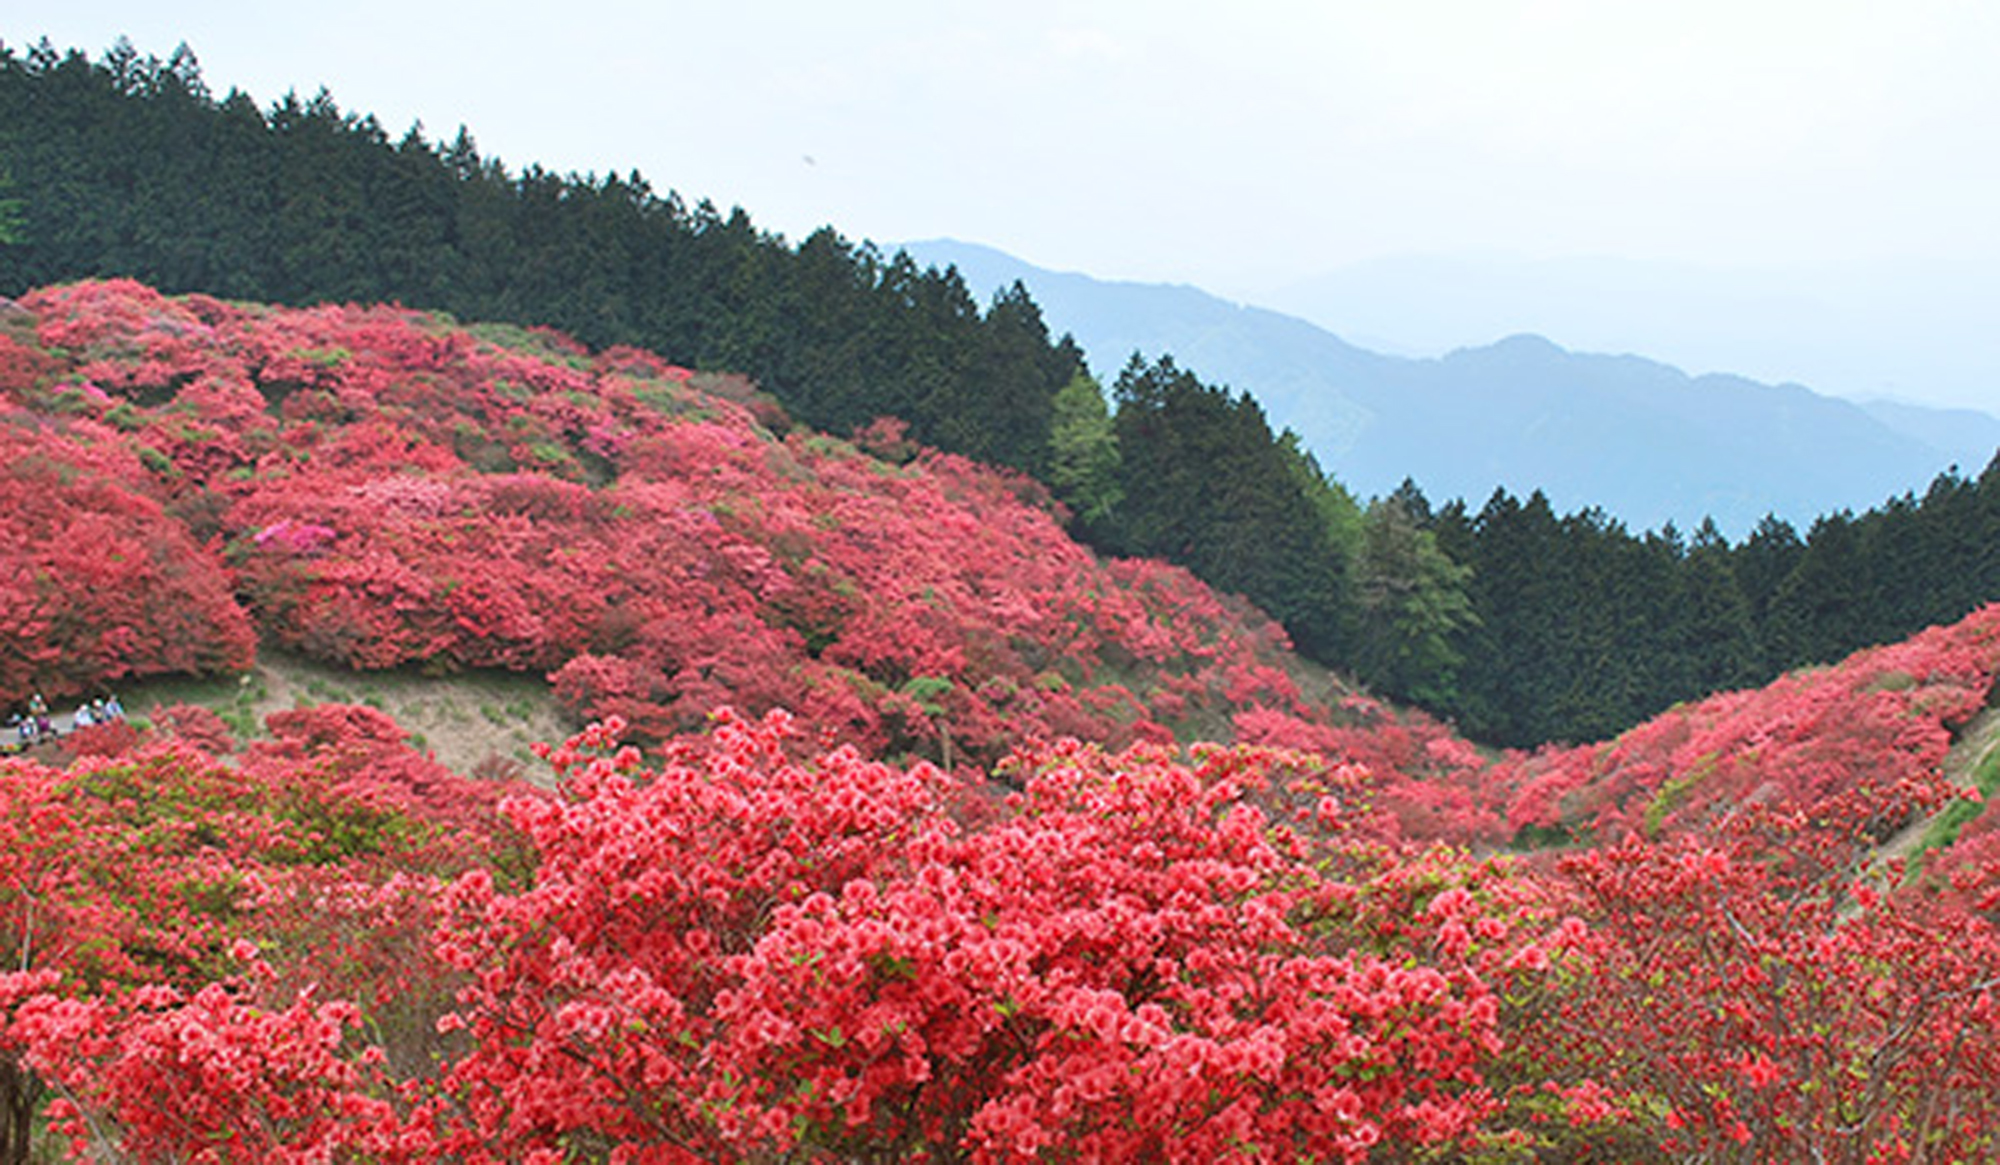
column 831, row 1037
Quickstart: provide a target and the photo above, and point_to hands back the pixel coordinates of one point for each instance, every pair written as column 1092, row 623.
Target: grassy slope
column 1973, row 763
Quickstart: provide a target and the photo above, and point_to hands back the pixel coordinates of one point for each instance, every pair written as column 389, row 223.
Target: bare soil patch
column 472, row 723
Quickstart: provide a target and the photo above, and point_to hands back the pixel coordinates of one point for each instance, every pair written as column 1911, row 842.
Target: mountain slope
column 1642, row 440
column 767, row 921
column 1968, row 436
column 379, row 488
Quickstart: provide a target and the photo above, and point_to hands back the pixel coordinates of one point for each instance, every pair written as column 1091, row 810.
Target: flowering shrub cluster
column 1130, row 963
column 189, row 945
column 1727, row 1006
column 98, row 582
column 968, row 900
column 1881, row 719
column 738, row 953
column 384, row 488
column 741, row 955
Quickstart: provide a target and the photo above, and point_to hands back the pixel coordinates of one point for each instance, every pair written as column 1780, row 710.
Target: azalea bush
column 383, row 488
column 219, row 962
column 743, row 956
column 959, row 882
column 737, row 954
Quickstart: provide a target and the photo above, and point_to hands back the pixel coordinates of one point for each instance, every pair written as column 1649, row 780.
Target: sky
column 1790, row 190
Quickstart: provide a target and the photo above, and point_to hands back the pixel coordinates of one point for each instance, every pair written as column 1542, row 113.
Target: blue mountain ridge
column 1641, row 440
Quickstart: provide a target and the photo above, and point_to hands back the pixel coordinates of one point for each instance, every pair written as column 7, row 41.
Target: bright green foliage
column 1337, row 509
column 1409, row 600
column 1083, row 451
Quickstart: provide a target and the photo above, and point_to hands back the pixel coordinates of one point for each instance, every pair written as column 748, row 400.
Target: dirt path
column 1979, row 737
column 468, row 722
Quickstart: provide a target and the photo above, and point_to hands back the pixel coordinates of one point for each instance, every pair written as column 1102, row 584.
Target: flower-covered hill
column 791, row 935
column 1873, row 730
column 379, row 487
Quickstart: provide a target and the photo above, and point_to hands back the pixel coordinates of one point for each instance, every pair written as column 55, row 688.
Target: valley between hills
column 606, row 683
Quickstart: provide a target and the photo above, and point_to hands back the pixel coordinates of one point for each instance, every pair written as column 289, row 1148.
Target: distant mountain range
column 1642, row 440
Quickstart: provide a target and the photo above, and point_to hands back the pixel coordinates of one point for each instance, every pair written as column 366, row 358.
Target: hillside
column 1642, row 440
column 1076, row 838
column 130, row 166
column 389, row 492
column 378, row 488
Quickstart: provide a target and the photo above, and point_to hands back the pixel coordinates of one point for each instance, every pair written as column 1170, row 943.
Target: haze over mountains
column 1915, row 330
column 1640, row 439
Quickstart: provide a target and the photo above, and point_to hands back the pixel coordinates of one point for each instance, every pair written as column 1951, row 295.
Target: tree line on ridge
column 1521, row 624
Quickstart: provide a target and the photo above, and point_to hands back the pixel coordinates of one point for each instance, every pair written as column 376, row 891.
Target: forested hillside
column 1586, row 627
column 1516, row 623
column 1639, row 439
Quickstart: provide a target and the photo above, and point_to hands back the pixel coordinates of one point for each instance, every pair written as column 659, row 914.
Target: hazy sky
column 1775, row 149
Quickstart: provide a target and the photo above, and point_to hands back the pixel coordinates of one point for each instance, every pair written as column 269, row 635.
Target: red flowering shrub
column 193, row 950
column 97, row 582
column 1882, row 716
column 202, row 729
column 739, row 956
column 1724, row 1006
column 21, row 368
column 113, row 739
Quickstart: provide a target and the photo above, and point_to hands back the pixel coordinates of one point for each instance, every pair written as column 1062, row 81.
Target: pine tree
column 10, row 212
column 1207, row 486
column 1525, row 597
column 1719, row 638
column 1817, row 612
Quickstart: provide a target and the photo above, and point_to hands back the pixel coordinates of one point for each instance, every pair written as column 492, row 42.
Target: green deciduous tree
column 1083, row 452
column 1409, row 601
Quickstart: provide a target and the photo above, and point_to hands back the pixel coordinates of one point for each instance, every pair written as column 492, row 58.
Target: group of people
column 36, row 724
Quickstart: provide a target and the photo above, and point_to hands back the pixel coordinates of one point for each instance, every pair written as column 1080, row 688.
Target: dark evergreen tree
column 1764, row 561
column 10, row 212
column 1818, row 610
column 1719, row 644
column 1904, row 579
column 1525, row 603
column 1206, row 485
column 1620, row 604
column 1978, row 533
